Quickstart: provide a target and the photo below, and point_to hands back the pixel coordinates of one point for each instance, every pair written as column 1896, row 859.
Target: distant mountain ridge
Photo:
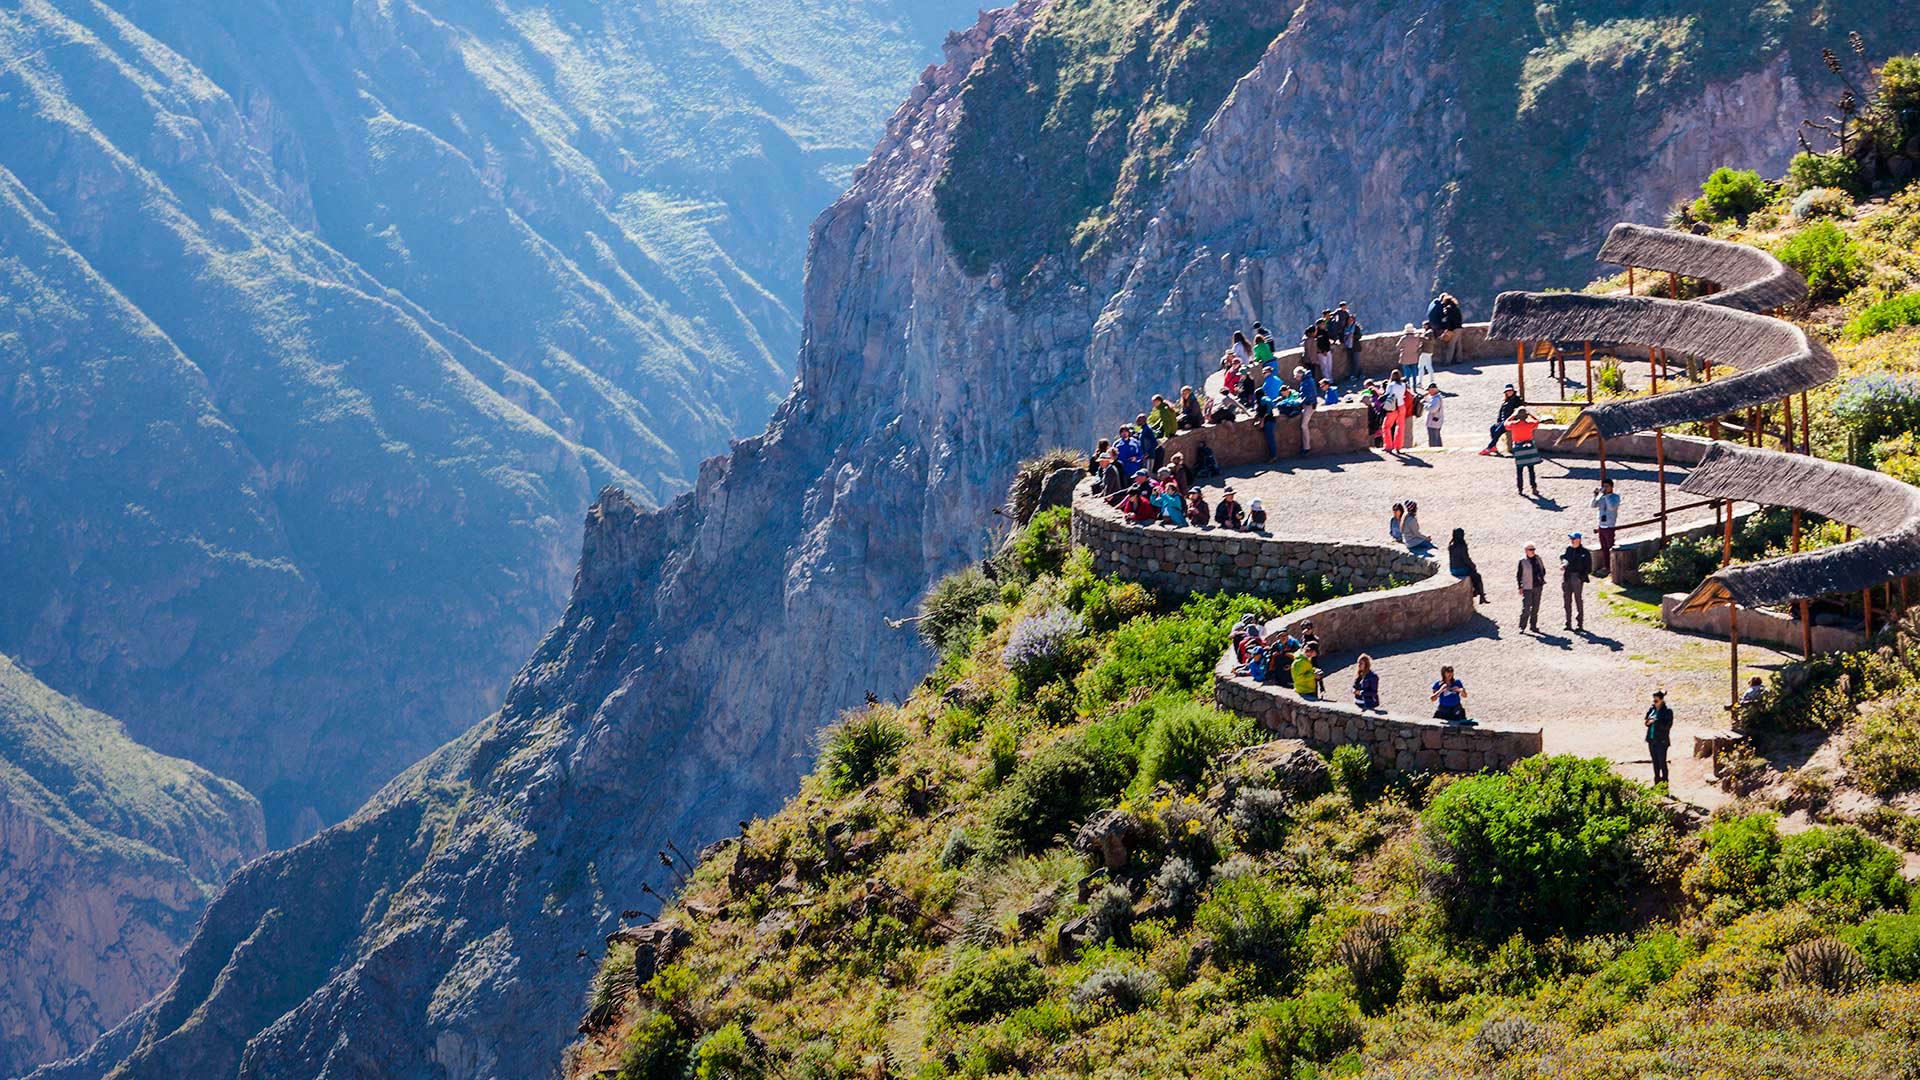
column 320, row 321
column 108, row 854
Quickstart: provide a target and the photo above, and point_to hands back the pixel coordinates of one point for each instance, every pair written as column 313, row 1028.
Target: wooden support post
column 1586, row 349
column 1866, row 600
column 1806, row 629
column 1660, row 459
column 1786, row 430
column 1796, row 531
column 1673, row 285
column 1520, row 368
column 1806, row 437
column 1733, row 655
column 1726, row 550
column 1653, row 369
column 1629, row 281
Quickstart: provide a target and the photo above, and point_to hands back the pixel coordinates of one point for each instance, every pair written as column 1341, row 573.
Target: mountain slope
column 317, row 320
column 108, row 854
column 706, row 643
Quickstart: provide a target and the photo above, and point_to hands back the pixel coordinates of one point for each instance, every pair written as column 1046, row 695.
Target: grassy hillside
column 930, row 905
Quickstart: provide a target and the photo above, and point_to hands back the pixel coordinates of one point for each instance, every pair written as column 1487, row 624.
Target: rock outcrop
column 705, row 643
column 108, row 854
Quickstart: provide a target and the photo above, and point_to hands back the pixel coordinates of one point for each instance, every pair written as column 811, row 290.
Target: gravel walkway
column 1587, row 690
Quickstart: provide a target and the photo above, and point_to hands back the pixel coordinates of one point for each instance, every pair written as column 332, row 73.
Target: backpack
column 1416, row 408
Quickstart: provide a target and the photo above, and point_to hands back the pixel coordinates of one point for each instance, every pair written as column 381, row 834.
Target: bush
column 983, row 985
column 613, row 987
column 1366, row 951
column 1808, row 171
column 1841, row 872
column 1682, row 565
column 1878, row 408
column 958, row 850
column 1736, row 862
column 1172, row 654
column 1816, row 203
column 1611, row 380
column 950, row 612
column 1650, row 961
column 1502, row 1037
column 1890, row 945
column 1116, row 988
column 1044, row 646
column 1827, row 258
column 1176, row 886
column 1311, row 1028
column 730, row 1053
column 1902, row 310
column 1884, row 757
column 1730, row 195
column 1258, row 927
column 1054, row 791
column 1556, row 843
column 1352, row 767
column 1181, row 741
column 861, row 749
column 1110, row 605
column 1826, row 963
column 1041, row 547
column 655, row 1049
column 1110, row 915
column 1261, row 817
column 1823, row 693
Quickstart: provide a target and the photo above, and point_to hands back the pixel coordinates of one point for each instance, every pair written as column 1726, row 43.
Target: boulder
column 1108, row 838
column 654, row 945
column 1286, row 765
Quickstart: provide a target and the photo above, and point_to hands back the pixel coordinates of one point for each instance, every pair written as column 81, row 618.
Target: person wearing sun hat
column 1576, row 566
column 1256, row 516
column 1227, row 513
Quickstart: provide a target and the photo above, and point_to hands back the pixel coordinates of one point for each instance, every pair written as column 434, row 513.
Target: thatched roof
column 1749, row 279
column 1873, row 502
column 1774, row 358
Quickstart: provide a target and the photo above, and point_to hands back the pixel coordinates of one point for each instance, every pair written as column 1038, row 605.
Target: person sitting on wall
column 1182, row 475
column 1198, row 513
column 1100, row 450
column 1227, row 512
column 1163, row 419
column 1166, row 499
column 1366, row 685
column 1138, row 505
column 1193, row 412
column 1256, row 516
column 1207, row 463
column 1450, row 698
column 1306, row 676
column 1112, row 486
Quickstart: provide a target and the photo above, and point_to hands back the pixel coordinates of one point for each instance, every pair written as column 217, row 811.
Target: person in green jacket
column 1165, row 421
column 1306, row 677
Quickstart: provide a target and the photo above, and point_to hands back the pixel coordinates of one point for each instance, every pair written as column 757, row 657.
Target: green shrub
column 1809, row 171
column 1611, row 381
column 983, row 985
column 1736, row 862
column 1556, row 843
column 950, row 612
column 1258, row 927
column 1173, row 653
column 1054, row 791
column 1366, row 951
column 1044, row 647
column 1352, row 769
column 613, row 987
column 1110, row 605
column 1181, row 741
column 1824, row 692
column 1884, row 757
column 1890, row 945
column 1816, row 203
column 1730, row 195
column 729, row 1053
column 1648, row 962
column 1116, row 988
column 862, row 748
column 1003, row 752
column 1841, row 872
column 1877, row 408
column 655, row 1049
column 1902, row 310
column 1895, row 114
column 1041, row 548
column 1827, row 258
column 1312, row 1028
column 1682, row 565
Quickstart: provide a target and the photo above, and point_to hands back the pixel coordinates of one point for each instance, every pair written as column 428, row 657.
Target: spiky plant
column 861, row 749
column 1827, row 964
column 612, row 989
column 1366, row 950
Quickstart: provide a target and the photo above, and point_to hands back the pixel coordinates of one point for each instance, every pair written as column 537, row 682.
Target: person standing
column 1447, row 350
column 1576, row 566
column 1509, row 401
column 1393, row 423
column 1309, row 389
column 1127, row 451
column 1435, row 410
column 1659, row 734
column 1366, row 684
column 1607, row 505
column 1531, row 577
column 1409, row 352
column 1526, row 456
column 1449, row 698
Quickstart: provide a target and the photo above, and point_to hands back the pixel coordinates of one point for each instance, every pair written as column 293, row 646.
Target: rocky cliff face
column 319, row 320
column 108, row 854
column 1353, row 155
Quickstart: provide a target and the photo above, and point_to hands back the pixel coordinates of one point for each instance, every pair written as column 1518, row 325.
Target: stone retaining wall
column 1181, row 560
column 1337, row 429
column 1397, row 743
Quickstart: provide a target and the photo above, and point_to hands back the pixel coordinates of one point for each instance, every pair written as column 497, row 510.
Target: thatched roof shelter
column 1873, row 502
column 1750, row 279
column 1774, row 358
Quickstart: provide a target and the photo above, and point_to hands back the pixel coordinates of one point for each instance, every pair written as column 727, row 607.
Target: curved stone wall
column 1177, row 561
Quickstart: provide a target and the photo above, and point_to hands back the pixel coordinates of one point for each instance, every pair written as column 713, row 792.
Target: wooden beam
column 1520, row 367
column 1586, row 349
column 1733, row 656
column 1806, row 436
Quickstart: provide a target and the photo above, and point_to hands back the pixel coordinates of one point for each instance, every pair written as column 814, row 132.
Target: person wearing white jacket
column 1435, row 408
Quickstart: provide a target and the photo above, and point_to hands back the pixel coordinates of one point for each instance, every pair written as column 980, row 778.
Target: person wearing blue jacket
column 1128, row 452
column 1309, row 397
column 1149, row 442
